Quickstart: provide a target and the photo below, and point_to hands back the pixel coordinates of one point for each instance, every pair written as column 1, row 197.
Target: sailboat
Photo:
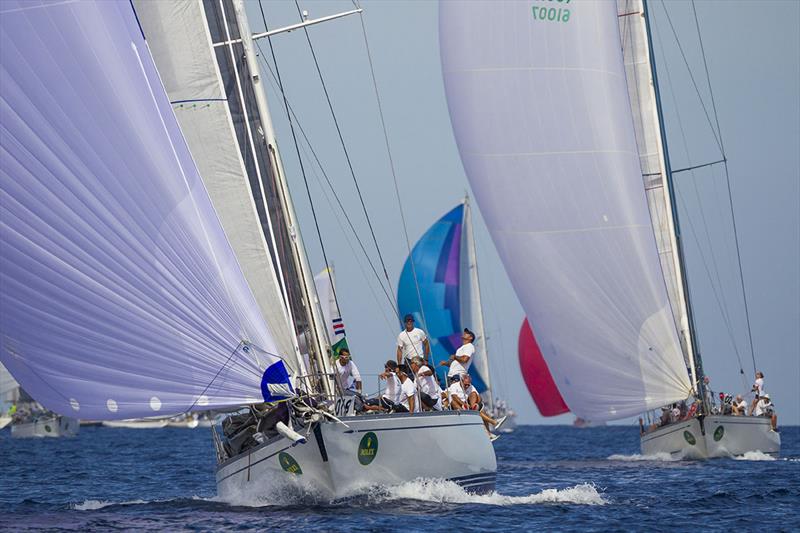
column 557, row 118
column 152, row 258
column 26, row 418
column 439, row 286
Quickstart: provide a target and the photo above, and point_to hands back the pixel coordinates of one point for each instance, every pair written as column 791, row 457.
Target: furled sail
column 641, row 91
column 213, row 101
column 437, row 265
column 538, row 100
column 537, row 375
column 471, row 308
column 121, row 296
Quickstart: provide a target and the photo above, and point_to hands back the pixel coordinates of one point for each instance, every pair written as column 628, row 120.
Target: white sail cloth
column 541, row 115
column 121, row 297
column 178, row 36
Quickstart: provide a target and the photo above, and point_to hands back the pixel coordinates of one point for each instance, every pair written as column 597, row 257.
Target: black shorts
column 426, row 400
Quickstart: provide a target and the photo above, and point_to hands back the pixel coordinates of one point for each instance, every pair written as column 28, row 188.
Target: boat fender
column 290, row 434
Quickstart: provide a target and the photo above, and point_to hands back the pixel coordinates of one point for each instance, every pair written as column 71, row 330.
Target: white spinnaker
column 542, row 119
column 638, row 71
column 179, row 40
column 470, row 294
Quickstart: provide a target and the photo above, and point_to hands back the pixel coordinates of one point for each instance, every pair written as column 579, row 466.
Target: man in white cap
column 765, row 407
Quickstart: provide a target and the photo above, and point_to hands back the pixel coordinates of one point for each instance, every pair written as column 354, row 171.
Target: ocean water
column 549, row 477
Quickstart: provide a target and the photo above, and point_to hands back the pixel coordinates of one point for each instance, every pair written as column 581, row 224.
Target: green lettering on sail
column 550, row 11
column 367, row 448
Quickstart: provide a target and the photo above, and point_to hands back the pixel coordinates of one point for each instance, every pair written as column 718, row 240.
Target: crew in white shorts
column 412, row 342
column 408, row 394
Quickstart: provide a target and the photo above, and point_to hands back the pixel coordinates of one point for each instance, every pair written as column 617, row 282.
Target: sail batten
column 543, row 124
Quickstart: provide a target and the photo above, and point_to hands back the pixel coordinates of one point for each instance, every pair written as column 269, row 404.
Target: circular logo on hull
column 719, row 433
column 367, row 448
column 47, row 429
column 288, row 463
column 689, row 438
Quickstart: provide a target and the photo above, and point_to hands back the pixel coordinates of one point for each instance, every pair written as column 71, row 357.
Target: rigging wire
column 728, row 182
column 300, row 160
column 392, row 167
column 273, row 79
column 721, row 302
column 344, row 148
column 691, row 76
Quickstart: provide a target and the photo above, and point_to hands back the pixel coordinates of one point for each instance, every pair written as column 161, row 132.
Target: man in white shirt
column 430, row 396
column 460, row 362
column 464, row 396
column 739, row 406
column 412, row 342
column 758, row 388
column 347, row 372
column 391, row 395
column 408, row 394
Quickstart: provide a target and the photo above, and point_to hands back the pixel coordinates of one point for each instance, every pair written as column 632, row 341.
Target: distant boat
column 449, row 297
column 137, row 423
column 557, row 117
column 48, row 425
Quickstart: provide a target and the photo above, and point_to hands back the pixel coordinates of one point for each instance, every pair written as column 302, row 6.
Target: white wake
column 93, row 505
column 754, row 456
column 441, row 491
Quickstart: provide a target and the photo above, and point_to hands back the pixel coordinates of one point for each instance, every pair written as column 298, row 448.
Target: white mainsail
column 9, row 388
column 644, row 109
column 223, row 148
column 470, row 294
column 538, row 100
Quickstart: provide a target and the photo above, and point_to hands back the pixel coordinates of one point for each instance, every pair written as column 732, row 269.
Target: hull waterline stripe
column 251, row 464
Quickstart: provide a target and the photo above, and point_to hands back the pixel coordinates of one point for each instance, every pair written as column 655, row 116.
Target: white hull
column 4, row 421
column 337, row 461
column 46, row 426
column 187, row 424
column 713, row 436
column 136, row 424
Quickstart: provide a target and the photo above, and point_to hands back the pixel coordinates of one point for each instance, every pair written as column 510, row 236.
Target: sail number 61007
column 553, row 14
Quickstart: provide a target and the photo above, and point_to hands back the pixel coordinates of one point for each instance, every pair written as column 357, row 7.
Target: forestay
column 538, row 100
column 121, row 296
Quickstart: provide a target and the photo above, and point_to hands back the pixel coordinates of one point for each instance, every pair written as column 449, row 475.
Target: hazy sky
column 753, row 53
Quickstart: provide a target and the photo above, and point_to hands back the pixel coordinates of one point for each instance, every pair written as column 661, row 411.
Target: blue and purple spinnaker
column 437, row 264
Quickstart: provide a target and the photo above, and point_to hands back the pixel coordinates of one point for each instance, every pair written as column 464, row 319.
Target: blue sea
column 549, row 478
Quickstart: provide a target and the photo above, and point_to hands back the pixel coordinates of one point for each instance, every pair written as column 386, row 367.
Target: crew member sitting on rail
column 391, row 396
column 408, row 392
column 460, row 362
column 427, row 386
column 464, row 396
column 739, row 406
column 765, row 407
column 347, row 372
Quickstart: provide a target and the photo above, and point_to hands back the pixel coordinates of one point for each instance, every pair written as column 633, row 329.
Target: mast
column 695, row 360
column 475, row 288
column 318, row 345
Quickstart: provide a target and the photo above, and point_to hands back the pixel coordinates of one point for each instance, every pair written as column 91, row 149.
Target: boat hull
column 713, row 436
column 46, row 427
column 381, row 450
column 136, row 424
